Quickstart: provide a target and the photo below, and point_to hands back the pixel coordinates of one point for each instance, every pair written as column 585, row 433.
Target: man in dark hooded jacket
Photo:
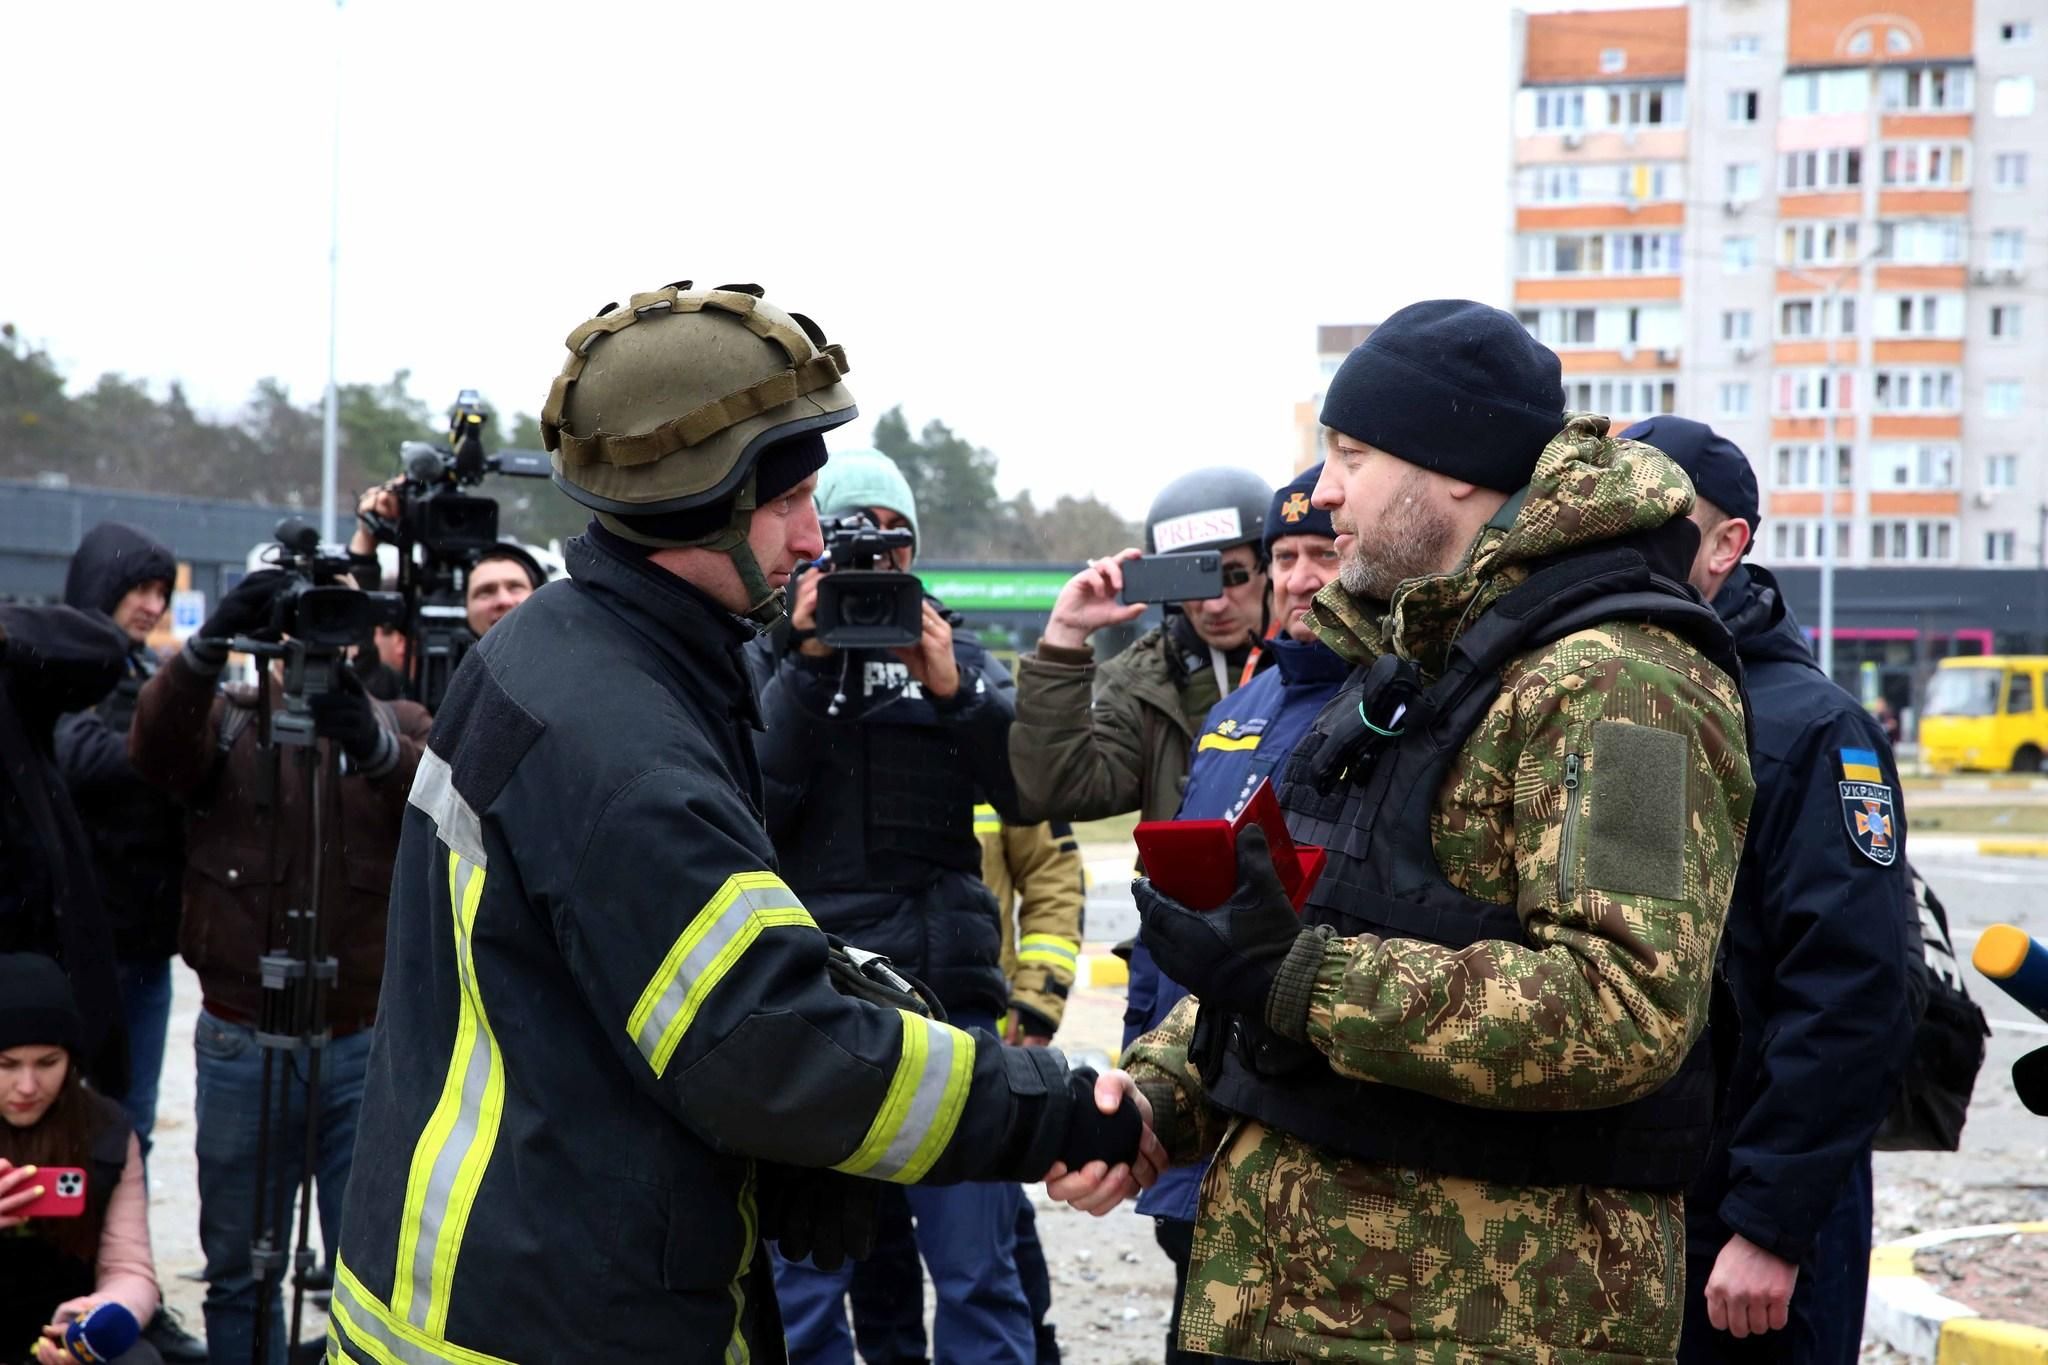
column 136, row 831
column 1818, row 945
column 53, row 660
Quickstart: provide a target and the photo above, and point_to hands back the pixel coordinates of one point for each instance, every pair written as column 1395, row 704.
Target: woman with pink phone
column 74, row 1225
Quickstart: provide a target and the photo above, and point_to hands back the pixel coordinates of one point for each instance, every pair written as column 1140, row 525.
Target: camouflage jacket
column 1300, row 1253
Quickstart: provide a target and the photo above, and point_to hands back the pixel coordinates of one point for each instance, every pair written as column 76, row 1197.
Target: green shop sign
column 971, row 590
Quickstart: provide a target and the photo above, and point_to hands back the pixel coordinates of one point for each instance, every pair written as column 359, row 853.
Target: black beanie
column 36, row 1006
column 779, row 468
column 1453, row 386
column 1719, row 470
column 1292, row 514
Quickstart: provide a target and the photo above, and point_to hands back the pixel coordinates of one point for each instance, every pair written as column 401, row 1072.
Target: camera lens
column 867, row 609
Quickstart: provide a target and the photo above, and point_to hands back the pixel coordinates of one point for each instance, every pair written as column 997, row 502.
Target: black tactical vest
column 1366, row 796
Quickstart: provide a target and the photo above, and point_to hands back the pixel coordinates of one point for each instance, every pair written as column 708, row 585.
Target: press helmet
column 1208, row 509
column 666, row 405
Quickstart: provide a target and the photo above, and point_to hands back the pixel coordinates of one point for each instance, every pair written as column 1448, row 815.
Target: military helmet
column 1208, row 509
column 665, row 405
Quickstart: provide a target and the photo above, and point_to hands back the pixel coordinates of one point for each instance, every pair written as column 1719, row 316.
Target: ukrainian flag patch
column 1860, row 765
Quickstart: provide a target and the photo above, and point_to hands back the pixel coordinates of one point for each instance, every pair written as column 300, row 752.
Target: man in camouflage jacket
column 1304, row 1251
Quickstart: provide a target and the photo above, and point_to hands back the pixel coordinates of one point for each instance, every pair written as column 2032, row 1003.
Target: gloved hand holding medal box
column 1195, row 861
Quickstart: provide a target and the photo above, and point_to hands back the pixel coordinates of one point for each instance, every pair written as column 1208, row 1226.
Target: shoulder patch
column 1867, row 812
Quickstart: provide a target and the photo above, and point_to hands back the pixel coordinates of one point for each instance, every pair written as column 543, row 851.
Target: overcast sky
column 1096, row 239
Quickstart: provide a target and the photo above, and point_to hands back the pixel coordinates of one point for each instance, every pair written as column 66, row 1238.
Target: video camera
column 314, row 620
column 859, row 605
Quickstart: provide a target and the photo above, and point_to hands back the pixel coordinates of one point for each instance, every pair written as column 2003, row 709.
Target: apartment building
column 1821, row 225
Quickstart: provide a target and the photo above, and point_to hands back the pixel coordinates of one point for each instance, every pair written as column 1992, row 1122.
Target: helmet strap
column 767, row 606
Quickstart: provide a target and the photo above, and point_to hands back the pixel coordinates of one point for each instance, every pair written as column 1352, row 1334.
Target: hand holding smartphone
column 1193, row 577
column 40, row 1192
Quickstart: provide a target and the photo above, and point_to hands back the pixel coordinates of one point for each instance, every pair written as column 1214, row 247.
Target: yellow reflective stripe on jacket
column 730, row 921
column 366, row 1324
column 922, row 1108
column 736, row 1352
column 986, row 821
column 448, row 1161
column 1216, row 741
column 1049, row 950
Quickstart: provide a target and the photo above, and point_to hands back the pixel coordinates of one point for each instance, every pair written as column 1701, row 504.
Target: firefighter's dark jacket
column 605, row 1016
column 871, row 811
column 1818, row 944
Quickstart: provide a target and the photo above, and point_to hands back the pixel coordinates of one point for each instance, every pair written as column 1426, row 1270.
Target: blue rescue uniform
column 1818, row 946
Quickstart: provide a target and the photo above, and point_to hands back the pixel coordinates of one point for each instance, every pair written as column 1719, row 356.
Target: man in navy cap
column 1818, row 942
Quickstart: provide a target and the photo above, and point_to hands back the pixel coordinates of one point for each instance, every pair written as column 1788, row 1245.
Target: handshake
column 1111, row 1153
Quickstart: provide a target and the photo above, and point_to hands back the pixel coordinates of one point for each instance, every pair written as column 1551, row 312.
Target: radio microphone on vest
column 106, row 1332
column 2017, row 963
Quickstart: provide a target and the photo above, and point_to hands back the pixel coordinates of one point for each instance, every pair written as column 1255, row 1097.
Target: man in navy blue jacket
column 1244, row 740
column 1819, row 939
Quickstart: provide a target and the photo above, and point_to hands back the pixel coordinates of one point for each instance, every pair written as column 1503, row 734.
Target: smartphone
column 63, row 1193
column 1196, row 576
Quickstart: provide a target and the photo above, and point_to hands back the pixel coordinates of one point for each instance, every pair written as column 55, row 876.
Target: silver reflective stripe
column 433, row 791
column 456, row 1149
column 363, row 1322
column 934, row 1078
column 746, row 904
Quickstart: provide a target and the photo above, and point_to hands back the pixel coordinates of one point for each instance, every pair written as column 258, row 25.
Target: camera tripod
column 297, row 976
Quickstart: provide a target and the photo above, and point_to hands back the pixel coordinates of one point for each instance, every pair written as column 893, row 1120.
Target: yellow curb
column 2012, row 848
column 1981, row 1341
column 1891, row 1260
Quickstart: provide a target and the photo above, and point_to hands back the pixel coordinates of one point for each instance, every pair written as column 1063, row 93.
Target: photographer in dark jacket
column 872, row 760
column 248, row 845
column 54, row 660
column 136, row 830
column 1820, row 937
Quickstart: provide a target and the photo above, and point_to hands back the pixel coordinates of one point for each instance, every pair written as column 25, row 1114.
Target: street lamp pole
column 330, row 417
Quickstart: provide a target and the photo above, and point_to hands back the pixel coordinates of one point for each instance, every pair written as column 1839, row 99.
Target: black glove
column 345, row 716
column 821, row 1214
column 1093, row 1135
column 245, row 608
column 1228, row 956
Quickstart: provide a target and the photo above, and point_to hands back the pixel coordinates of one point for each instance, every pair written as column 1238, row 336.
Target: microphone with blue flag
column 2018, row 963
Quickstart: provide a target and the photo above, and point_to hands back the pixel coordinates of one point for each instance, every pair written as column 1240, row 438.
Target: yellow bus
column 1986, row 713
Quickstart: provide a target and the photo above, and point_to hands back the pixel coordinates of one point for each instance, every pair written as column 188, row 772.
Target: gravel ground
column 1111, row 1283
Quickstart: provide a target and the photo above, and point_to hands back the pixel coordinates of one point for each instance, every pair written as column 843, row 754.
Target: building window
column 1804, row 392
column 2001, row 471
column 1613, row 61
column 1913, row 466
column 1742, row 106
column 1825, row 92
column 1905, row 541
column 1921, row 241
column 1618, row 398
column 1736, row 324
column 1920, row 315
column 1646, row 106
column 1735, row 399
column 2008, row 246
column 1817, row 243
column 1737, row 254
column 1897, row 40
column 1561, row 327
column 1618, row 253
column 2009, row 170
column 2016, row 33
column 1560, row 109
column 1806, row 466
column 2005, row 321
column 1744, row 181
column 2013, row 97
column 1998, row 549
column 1943, row 89
column 1934, row 164
column 1750, row 44
column 1915, row 391
column 1834, row 169
column 1818, row 317
column 2002, row 398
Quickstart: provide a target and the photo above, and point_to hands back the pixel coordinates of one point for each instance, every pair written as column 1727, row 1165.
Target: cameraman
column 502, row 577
column 248, row 851
column 1094, row 742
column 871, row 761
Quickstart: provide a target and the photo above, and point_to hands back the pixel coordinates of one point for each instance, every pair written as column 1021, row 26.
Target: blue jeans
column 230, row 1103
column 146, row 1008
